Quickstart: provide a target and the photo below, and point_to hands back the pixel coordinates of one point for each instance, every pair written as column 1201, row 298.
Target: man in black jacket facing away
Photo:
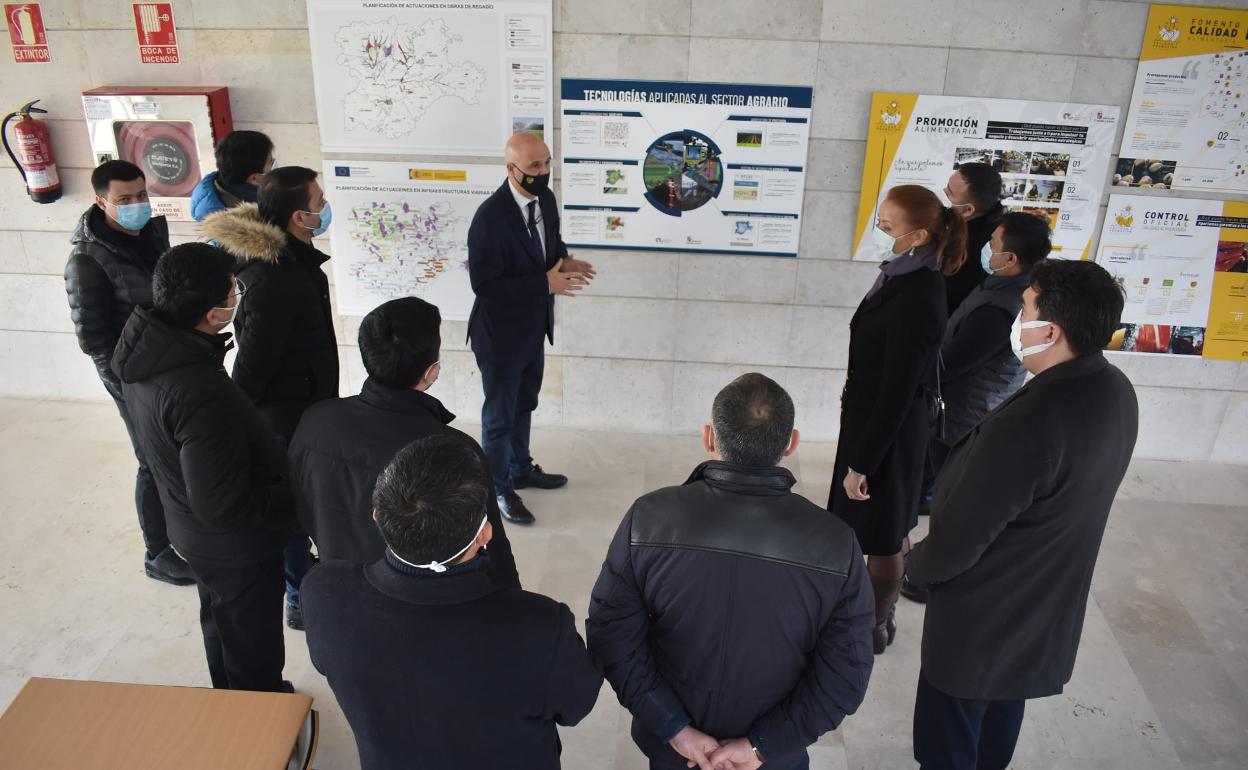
column 220, row 470
column 287, row 352
column 341, row 445
column 731, row 608
column 1017, row 524
column 109, row 272
column 421, row 646
column 974, row 189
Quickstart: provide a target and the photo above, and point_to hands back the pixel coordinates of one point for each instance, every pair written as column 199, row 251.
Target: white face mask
column 239, row 290
column 885, row 242
column 440, row 566
column 1016, row 337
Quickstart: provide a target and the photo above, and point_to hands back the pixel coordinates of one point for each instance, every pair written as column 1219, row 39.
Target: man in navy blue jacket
column 413, row 643
column 517, row 263
column 731, row 609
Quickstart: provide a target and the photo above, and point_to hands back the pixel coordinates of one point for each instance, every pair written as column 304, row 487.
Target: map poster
column 430, row 78
column 1183, row 264
column 659, row 166
column 1053, row 158
column 1187, row 125
column 401, row 230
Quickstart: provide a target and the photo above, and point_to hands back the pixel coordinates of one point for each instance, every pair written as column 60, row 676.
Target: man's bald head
column 524, row 147
column 527, row 156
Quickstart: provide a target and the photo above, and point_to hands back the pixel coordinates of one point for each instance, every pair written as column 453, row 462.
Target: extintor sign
column 26, row 33
column 158, row 42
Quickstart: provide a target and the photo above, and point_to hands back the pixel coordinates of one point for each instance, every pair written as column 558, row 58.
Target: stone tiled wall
column 648, row 345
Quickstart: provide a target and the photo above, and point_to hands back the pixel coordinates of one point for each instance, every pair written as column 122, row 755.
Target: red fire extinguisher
column 34, row 146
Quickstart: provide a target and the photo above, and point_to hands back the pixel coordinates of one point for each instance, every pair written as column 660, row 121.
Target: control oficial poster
column 1187, row 125
column 1053, row 157
column 1183, row 265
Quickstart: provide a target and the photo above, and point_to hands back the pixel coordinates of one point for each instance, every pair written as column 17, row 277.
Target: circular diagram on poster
column 682, row 172
column 165, row 150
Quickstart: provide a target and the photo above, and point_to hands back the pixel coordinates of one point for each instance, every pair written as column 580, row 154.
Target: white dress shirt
column 523, row 203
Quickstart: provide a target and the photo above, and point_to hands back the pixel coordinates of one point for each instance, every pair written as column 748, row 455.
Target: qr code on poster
column 614, row 133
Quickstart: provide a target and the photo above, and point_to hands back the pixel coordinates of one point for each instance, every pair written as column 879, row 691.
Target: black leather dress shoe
column 917, row 594
column 168, row 567
column 513, row 510
column 538, row 479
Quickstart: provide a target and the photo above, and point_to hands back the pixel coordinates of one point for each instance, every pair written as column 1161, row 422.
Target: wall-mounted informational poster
column 1053, row 157
column 430, row 78
column 1184, row 267
column 713, row 167
column 401, row 230
column 1187, row 126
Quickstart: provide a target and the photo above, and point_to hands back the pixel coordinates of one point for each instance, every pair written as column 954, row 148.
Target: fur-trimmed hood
column 244, row 234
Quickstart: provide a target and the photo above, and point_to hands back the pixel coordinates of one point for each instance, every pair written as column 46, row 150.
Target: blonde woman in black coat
column 886, row 407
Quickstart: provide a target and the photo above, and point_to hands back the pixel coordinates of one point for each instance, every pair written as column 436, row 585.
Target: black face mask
column 534, row 185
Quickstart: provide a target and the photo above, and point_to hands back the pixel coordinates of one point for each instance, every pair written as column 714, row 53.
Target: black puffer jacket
column 105, row 282
column 220, row 471
column 734, row 605
column 980, row 370
column 287, row 351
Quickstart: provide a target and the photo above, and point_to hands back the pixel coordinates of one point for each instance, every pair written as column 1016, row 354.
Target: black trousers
column 146, row 496
column 960, row 734
column 240, row 613
column 511, row 391
column 282, row 417
column 937, row 454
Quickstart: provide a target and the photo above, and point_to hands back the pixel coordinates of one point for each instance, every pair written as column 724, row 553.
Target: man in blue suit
column 517, row 262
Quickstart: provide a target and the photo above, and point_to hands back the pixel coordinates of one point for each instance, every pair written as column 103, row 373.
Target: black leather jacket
column 733, row 604
column 105, row 282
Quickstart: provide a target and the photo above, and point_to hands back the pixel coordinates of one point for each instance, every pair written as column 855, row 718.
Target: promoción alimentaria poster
column 1052, row 157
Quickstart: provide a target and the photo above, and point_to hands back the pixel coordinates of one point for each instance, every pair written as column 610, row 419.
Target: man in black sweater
column 109, row 273
column 1017, row 524
column 421, row 646
column 342, row 444
column 219, row 469
column 730, row 608
column 974, row 189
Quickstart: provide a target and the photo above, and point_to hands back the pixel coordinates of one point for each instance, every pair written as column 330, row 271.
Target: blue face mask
column 133, row 216
column 327, row 216
column 985, row 259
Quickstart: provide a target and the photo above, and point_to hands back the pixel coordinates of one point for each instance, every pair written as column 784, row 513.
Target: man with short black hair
column 974, row 189
column 220, row 470
column 1017, row 524
column 977, row 368
column 287, row 350
column 421, row 647
column 109, row 273
column 342, row 444
column 731, row 608
column 243, row 157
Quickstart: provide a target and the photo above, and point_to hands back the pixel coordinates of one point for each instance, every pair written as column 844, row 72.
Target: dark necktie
column 533, row 233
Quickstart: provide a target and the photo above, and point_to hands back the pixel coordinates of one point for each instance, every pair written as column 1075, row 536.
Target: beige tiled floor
column 1162, row 678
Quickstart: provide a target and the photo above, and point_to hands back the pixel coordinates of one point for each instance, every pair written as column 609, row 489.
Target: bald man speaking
column 517, row 263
